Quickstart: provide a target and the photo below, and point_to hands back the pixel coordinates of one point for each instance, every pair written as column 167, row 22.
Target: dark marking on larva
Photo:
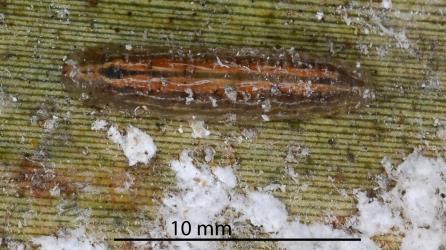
column 179, row 83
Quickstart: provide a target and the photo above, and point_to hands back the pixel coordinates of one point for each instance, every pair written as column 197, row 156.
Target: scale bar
column 237, row 239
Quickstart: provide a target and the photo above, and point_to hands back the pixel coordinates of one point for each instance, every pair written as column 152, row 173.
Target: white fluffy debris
column 226, row 175
column 375, row 216
column 263, row 210
column 14, row 245
column 415, row 206
column 137, row 146
column 71, row 239
column 441, row 134
column 400, row 36
column 99, row 125
column 198, row 129
column 204, row 196
column 386, row 4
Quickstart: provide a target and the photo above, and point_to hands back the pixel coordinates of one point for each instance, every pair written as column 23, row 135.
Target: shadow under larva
column 211, row 83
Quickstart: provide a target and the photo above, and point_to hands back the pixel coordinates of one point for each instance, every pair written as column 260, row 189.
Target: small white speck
column 320, row 15
column 128, row 47
column 84, row 96
column 213, row 101
column 63, row 14
column 99, row 125
column 266, row 105
column 219, row 63
column 368, row 94
column 190, row 97
column 441, row 134
column 386, row 4
column 265, row 118
column 50, row 124
column 199, row 129
column 55, row 191
column 231, row 93
column 209, row 154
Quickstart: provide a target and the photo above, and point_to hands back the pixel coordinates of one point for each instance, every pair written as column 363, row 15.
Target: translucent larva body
column 209, row 83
